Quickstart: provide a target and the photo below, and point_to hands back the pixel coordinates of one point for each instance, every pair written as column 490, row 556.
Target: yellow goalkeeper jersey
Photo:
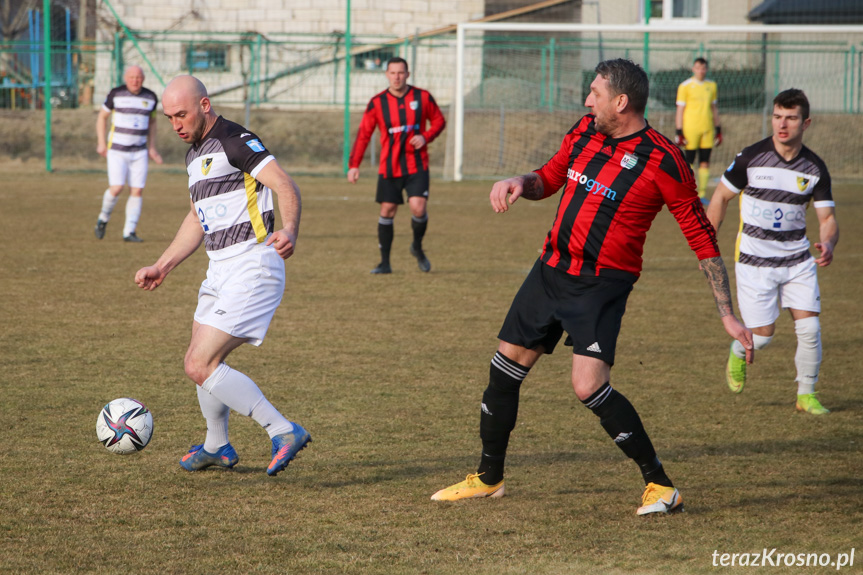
column 698, row 98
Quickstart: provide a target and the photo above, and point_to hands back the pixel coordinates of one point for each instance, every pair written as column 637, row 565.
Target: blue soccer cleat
column 198, row 459
column 286, row 446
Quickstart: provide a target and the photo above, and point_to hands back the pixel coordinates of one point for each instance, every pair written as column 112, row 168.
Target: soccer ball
column 124, row 426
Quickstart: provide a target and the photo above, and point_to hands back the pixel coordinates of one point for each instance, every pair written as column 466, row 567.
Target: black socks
column 385, row 238
column 621, row 422
column 499, row 412
column 418, row 225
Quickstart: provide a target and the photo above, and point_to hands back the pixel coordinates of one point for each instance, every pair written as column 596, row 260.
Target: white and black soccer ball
column 124, row 426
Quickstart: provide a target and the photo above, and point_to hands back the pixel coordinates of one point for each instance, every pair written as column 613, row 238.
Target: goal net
column 520, row 87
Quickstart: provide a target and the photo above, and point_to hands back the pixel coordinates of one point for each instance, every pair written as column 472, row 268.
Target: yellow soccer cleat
column 735, row 373
column 468, row 489
column 660, row 499
column 808, row 403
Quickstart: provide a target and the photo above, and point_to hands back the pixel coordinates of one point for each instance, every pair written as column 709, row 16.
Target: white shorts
column 241, row 294
column 131, row 166
column 761, row 291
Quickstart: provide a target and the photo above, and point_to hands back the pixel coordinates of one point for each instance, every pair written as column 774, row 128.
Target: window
column 686, row 9
column 374, row 60
column 676, row 10
column 207, row 57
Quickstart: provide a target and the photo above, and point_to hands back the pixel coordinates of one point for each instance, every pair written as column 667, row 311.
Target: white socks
column 237, row 391
column 216, row 414
column 133, row 211
column 133, row 214
column 758, row 342
column 808, row 356
column 108, row 203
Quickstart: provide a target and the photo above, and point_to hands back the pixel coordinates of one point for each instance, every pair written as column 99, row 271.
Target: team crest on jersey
column 414, row 105
column 802, row 183
column 629, row 161
column 206, row 164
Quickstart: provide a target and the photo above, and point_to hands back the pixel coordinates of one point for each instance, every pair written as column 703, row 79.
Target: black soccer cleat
column 99, row 230
column 382, row 268
column 133, row 237
column 422, row 261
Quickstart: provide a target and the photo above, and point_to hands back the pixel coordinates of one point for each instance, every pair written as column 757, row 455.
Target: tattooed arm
column 528, row 186
column 717, row 277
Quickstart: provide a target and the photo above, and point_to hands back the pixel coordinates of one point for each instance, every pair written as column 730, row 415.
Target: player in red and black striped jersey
column 616, row 173
column 408, row 119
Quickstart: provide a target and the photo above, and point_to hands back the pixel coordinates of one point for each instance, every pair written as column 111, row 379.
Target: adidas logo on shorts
column 594, row 347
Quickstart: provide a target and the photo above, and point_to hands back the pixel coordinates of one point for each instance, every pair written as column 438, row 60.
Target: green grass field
column 387, row 374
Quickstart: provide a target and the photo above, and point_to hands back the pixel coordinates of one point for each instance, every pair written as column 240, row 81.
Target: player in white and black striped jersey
column 232, row 178
column 776, row 179
column 128, row 146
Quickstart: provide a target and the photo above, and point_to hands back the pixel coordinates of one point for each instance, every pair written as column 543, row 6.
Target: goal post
column 520, row 87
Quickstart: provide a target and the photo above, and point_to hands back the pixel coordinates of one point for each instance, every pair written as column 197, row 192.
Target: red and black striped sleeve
column 435, row 118
column 676, row 183
column 364, row 135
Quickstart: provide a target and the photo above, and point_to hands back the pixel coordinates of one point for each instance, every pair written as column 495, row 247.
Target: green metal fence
column 511, row 77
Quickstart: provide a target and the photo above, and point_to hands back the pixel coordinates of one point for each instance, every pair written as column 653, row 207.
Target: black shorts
column 390, row 189
column 703, row 155
column 549, row 302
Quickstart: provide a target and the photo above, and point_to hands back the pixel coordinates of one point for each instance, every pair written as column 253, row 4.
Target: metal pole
column 851, row 83
column 551, row 75
column 542, row 82
column 258, row 45
column 247, row 91
column 33, row 21
column 776, row 64
column 68, row 49
column 414, row 51
column 346, row 147
column 459, row 105
column 845, row 84
column 646, row 44
column 859, row 78
column 118, row 65
column 46, row 37
column 500, row 140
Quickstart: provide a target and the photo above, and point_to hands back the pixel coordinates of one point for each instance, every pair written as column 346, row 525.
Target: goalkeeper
column 697, row 121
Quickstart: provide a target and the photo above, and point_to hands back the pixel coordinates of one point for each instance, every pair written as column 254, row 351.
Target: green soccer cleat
column 808, row 403
column 660, row 499
column 735, row 372
column 468, row 489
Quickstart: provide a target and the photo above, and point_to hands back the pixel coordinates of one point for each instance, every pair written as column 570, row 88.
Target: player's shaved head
column 133, row 70
column 133, row 77
column 186, row 88
column 186, row 103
